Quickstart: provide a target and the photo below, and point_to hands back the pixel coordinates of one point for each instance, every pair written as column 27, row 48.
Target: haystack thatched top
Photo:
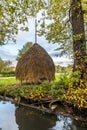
column 35, row 65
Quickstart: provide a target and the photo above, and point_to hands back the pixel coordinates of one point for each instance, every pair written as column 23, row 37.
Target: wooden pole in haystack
column 36, row 29
column 36, row 24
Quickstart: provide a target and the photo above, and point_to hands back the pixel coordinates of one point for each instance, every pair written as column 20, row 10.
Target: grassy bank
column 60, row 89
column 8, row 81
column 11, row 86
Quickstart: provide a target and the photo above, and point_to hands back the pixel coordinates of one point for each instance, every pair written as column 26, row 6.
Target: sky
column 10, row 51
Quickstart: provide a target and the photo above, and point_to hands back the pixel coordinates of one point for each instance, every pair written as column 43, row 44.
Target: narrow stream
column 13, row 117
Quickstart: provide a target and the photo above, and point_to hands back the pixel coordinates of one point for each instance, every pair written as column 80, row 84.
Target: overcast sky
column 10, row 51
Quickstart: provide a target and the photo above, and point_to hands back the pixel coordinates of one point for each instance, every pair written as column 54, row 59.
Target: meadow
column 6, row 81
column 60, row 89
column 11, row 86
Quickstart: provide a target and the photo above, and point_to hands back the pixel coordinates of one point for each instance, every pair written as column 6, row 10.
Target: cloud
column 63, row 61
column 5, row 54
column 10, row 51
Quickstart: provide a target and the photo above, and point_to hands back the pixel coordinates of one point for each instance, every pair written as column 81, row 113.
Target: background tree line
column 6, row 68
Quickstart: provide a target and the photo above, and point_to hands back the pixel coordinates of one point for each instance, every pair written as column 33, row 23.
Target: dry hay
column 35, row 66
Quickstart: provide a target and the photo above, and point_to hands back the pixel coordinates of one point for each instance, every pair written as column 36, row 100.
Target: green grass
column 5, row 81
column 61, row 89
column 57, row 76
column 7, row 85
column 12, row 80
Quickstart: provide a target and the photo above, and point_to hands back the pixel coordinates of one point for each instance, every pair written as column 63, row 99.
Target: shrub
column 8, row 73
column 78, row 97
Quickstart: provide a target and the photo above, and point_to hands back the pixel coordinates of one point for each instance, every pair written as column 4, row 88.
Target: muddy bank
column 61, row 108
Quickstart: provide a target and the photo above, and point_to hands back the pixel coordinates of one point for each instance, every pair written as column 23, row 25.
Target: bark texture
column 79, row 41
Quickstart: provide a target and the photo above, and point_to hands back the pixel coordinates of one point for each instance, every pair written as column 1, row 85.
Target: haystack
column 35, row 66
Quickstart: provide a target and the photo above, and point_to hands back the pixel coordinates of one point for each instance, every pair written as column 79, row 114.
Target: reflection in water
column 29, row 119
column 23, row 118
column 79, row 125
column 7, row 116
column 67, row 123
column 63, row 123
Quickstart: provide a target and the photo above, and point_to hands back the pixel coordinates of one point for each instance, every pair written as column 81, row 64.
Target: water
column 13, row 117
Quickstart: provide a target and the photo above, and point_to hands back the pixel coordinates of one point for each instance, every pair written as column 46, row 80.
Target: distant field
column 12, row 80
column 57, row 76
column 8, row 80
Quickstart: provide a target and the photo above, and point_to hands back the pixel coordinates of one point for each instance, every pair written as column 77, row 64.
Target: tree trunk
column 79, row 42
